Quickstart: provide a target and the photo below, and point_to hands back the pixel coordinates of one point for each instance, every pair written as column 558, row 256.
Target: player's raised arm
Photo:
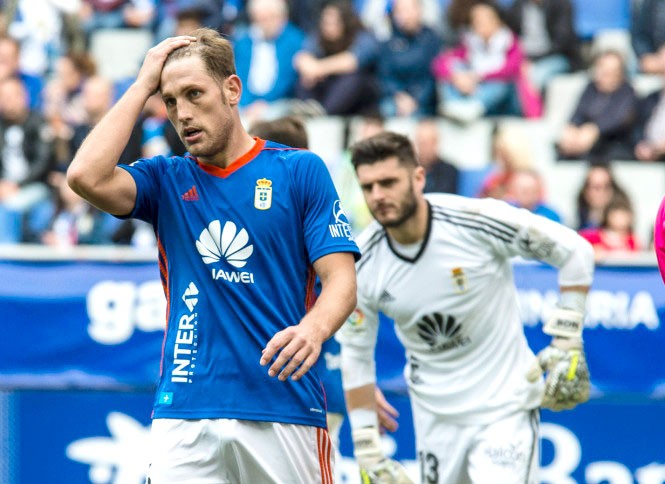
column 298, row 347
column 93, row 173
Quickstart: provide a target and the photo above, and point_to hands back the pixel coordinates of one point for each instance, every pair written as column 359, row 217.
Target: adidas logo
column 441, row 333
column 215, row 244
column 190, row 298
column 386, row 297
column 190, row 195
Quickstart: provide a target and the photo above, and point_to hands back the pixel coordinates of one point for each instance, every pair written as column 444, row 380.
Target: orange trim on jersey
column 235, row 165
column 164, row 270
column 310, row 294
column 323, row 446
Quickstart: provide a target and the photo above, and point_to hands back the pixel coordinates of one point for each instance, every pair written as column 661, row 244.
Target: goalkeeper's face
column 391, row 190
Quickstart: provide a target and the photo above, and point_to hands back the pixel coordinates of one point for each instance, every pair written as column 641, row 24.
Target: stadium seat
column 540, row 137
column 615, row 39
column 326, row 136
column 561, row 97
column 645, row 84
column 119, row 53
column 564, row 180
column 645, row 184
column 467, row 146
column 592, row 16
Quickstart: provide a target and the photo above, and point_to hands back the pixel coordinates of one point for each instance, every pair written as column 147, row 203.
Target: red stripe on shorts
column 324, row 445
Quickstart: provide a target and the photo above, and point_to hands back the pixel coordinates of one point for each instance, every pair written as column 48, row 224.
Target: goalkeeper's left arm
column 567, row 380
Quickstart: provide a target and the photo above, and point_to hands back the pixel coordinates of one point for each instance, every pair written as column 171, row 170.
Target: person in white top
column 440, row 266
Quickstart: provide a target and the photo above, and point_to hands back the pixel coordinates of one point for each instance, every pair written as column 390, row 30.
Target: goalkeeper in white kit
column 439, row 266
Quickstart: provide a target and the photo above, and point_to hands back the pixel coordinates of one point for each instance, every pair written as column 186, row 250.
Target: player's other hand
column 567, row 381
column 294, row 349
column 386, row 412
column 375, row 468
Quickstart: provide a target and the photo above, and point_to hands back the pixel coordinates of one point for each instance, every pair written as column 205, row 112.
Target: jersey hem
column 235, row 415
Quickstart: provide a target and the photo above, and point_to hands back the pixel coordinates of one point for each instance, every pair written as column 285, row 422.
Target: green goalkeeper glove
column 567, row 381
column 375, row 468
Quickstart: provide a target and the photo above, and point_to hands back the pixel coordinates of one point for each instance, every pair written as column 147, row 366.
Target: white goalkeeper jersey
column 455, row 305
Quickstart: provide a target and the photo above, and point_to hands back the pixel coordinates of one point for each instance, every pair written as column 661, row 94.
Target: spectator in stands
column 598, row 190
column 344, row 175
column 26, row 154
column 179, row 17
column 336, row 65
column 441, row 175
column 648, row 34
column 305, row 14
column 547, row 35
column 264, row 57
column 116, row 14
column 406, row 84
column 615, row 234
column 606, row 114
column 10, row 52
column 158, row 135
column 511, row 154
column 376, row 16
column 650, row 129
column 525, row 190
column 98, row 98
column 74, row 221
column 63, row 102
column 483, row 75
column 458, row 20
column 39, row 26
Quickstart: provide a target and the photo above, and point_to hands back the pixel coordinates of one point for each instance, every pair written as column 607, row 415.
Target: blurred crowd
column 364, row 60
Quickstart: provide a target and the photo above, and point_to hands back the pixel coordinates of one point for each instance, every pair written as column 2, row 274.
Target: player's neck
column 239, row 143
column 413, row 229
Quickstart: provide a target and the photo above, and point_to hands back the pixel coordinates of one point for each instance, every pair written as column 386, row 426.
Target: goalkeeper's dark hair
column 381, row 146
column 215, row 51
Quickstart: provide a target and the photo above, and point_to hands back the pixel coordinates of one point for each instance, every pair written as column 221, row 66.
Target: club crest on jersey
column 460, row 282
column 263, row 194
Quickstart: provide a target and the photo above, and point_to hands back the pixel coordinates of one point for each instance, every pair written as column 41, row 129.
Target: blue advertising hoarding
column 81, row 348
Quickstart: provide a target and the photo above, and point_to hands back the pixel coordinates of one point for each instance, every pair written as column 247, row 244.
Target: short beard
column 408, row 209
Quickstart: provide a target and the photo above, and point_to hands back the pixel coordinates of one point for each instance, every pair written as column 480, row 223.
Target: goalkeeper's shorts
column 229, row 451
column 502, row 452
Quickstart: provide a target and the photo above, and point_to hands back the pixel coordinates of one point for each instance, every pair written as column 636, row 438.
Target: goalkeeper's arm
column 359, row 381
column 567, row 376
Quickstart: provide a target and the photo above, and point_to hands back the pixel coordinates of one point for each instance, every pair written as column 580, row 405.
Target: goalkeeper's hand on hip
column 375, row 468
column 567, row 381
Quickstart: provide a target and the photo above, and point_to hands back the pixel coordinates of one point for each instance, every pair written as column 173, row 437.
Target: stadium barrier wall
column 82, row 336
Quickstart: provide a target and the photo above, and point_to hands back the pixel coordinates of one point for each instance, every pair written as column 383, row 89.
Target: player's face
column 391, row 190
column 198, row 106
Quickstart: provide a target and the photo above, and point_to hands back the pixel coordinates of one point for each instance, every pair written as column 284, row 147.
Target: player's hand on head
column 294, row 351
column 150, row 73
column 567, row 381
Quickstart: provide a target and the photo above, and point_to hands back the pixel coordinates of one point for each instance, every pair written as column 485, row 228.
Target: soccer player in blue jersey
column 244, row 226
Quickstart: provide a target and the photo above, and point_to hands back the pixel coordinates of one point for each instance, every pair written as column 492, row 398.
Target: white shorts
column 503, row 452
column 229, row 451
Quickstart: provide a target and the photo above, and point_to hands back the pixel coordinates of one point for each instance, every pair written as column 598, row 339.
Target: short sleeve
column 147, row 176
column 325, row 225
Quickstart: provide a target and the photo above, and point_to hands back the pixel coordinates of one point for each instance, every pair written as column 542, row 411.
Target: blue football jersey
column 236, row 248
